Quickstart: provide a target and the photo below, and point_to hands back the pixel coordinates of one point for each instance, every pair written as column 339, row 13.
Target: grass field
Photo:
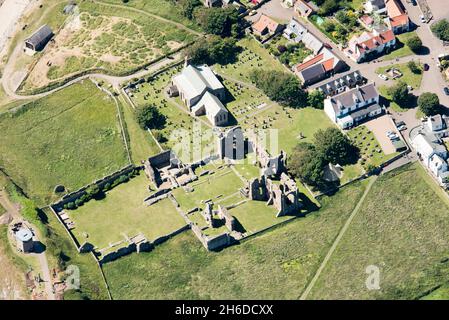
column 402, row 228
column 403, row 50
column 69, row 138
column 219, row 185
column 123, row 212
column 408, row 76
column 275, row 265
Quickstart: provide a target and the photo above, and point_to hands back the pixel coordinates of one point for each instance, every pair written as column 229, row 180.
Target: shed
column 39, row 39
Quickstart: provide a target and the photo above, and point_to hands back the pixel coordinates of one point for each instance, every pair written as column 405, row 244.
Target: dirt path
column 337, row 240
column 14, row 211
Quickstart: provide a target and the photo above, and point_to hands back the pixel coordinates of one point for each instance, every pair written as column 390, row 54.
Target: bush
column 399, row 94
column 414, row 43
column 414, row 67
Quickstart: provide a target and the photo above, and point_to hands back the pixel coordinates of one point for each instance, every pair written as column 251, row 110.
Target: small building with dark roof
column 39, row 39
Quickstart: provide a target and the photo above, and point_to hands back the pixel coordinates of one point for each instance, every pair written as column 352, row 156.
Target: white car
column 402, row 128
column 252, row 12
column 423, row 20
column 383, row 77
column 389, row 133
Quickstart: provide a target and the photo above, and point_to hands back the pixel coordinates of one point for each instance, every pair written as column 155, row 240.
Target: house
column 370, row 44
column 266, row 26
column 318, row 68
column 297, row 32
column 339, row 85
column 201, row 91
column 366, row 21
column 438, row 166
column 39, row 39
column 375, row 6
column 437, row 125
column 397, row 20
column 304, row 8
column 349, row 108
column 428, row 144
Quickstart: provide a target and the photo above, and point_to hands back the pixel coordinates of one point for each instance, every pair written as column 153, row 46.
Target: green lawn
column 370, row 150
column 123, row 212
column 219, row 185
column 403, row 50
column 402, row 228
column 408, row 76
column 2, row 210
column 256, row 215
column 290, row 123
column 71, row 137
column 275, row 265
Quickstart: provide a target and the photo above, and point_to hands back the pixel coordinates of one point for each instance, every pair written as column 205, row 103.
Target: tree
column 305, row 163
column 429, row 103
column 224, row 22
column 335, row 147
column 188, row 7
column 441, row 29
column 399, row 94
column 150, row 117
column 280, row 86
column 414, row 43
column 414, row 67
column 315, row 99
column 328, row 7
column 214, row 50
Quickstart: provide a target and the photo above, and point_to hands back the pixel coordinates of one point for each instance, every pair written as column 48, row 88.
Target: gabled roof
column 309, row 63
column 40, row 36
column 396, row 13
column 369, row 41
column 195, row 80
column 265, row 22
column 348, row 98
column 211, row 103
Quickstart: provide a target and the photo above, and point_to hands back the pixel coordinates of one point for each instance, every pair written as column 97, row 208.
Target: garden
column 288, row 53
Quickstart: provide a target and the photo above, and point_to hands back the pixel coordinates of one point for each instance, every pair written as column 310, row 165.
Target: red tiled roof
column 376, row 41
column 309, row 63
column 328, row 65
column 265, row 22
column 399, row 20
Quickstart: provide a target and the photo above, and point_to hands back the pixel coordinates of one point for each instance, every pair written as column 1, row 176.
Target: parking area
column 275, row 10
column 380, row 126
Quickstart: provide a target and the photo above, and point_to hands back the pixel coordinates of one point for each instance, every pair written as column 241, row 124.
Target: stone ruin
column 215, row 219
column 232, row 145
column 283, row 195
column 167, row 172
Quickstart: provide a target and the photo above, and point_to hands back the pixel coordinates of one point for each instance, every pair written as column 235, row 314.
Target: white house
column 369, row 44
column 427, row 145
column 437, row 165
column 349, row 108
column 201, row 91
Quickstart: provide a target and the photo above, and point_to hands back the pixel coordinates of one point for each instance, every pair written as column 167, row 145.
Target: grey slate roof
column 347, row 99
column 40, row 38
column 312, row 72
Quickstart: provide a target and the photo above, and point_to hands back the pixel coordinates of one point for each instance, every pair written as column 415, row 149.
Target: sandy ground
column 10, row 13
column 12, row 281
column 380, row 126
column 439, row 8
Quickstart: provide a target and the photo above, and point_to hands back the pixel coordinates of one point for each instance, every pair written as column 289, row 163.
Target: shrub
column 414, row 43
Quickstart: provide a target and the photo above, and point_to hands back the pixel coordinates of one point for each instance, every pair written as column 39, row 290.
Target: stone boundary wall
column 144, row 247
column 71, row 236
column 100, row 183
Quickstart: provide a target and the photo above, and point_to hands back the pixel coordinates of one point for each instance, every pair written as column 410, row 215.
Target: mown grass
column 70, row 138
column 122, row 212
column 275, row 265
column 403, row 50
column 402, row 228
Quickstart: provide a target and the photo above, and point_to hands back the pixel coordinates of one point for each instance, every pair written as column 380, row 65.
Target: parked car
column 426, row 67
column 423, row 20
column 400, row 123
column 383, row 77
column 394, row 137
column 402, row 128
column 413, row 2
column 252, row 12
column 390, row 133
column 446, row 91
